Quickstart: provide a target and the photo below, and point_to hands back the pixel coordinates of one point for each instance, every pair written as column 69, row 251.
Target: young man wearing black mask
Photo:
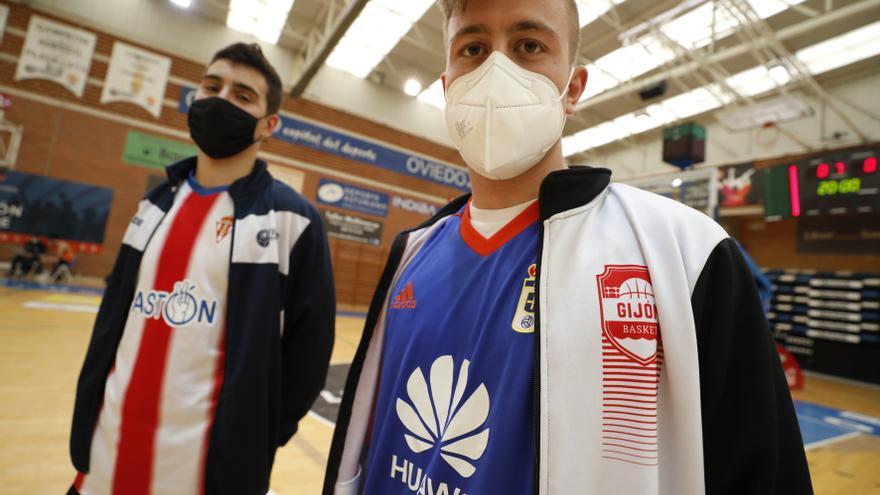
column 215, row 331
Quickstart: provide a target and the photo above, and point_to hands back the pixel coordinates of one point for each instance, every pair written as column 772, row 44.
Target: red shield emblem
column 224, row 225
column 629, row 313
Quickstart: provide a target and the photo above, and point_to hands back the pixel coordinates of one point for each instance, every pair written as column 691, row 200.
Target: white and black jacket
column 279, row 328
column 722, row 413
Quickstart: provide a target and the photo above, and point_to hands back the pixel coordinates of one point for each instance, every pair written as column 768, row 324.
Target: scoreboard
column 843, row 183
column 837, row 183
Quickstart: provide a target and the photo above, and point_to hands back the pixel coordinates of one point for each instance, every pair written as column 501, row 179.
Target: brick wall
column 80, row 139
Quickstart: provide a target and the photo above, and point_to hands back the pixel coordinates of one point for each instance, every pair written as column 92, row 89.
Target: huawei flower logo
column 446, row 420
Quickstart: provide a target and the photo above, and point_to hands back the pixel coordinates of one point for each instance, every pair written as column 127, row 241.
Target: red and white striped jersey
column 152, row 433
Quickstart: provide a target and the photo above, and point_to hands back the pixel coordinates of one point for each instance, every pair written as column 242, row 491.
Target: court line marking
column 864, row 418
column 828, row 441
column 74, row 308
column 324, row 421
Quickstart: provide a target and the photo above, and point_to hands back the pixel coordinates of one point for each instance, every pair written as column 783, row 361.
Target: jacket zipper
column 536, row 373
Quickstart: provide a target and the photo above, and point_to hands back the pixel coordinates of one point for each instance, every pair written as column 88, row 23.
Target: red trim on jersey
column 219, row 368
column 140, row 407
column 485, row 247
column 78, row 481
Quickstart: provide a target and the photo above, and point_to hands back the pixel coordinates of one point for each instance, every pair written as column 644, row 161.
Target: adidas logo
column 436, row 415
column 405, row 299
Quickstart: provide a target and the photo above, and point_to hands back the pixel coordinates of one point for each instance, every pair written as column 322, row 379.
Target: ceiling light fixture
column 412, row 87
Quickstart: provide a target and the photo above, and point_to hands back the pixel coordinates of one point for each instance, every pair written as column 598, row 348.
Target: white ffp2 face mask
column 502, row 118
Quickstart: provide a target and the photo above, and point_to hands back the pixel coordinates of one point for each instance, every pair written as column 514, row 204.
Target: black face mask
column 220, row 128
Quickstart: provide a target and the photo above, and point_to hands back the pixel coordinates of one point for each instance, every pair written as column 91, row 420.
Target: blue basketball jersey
column 455, row 409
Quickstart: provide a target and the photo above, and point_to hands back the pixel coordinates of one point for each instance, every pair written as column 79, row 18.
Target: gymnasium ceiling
column 713, row 56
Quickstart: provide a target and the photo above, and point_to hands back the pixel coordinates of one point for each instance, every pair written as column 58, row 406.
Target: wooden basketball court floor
column 43, row 338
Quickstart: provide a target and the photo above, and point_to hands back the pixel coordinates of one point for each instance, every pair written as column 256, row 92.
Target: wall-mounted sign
column 4, row 16
column 56, row 52
column 38, row 205
column 301, row 132
column 154, row 152
column 136, row 76
column 352, row 227
column 739, row 185
column 414, row 206
column 353, row 198
column 839, row 234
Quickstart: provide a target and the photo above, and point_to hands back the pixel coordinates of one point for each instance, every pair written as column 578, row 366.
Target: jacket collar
column 257, row 180
column 571, row 188
column 560, row 191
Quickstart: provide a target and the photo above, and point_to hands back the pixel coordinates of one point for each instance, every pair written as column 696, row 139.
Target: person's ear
column 269, row 128
column 576, row 87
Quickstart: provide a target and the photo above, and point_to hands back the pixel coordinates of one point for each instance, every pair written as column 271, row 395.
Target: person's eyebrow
column 237, row 85
column 529, row 25
column 472, row 29
column 245, row 87
column 212, row 77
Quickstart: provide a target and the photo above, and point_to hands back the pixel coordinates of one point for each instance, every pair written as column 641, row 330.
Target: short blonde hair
column 450, row 7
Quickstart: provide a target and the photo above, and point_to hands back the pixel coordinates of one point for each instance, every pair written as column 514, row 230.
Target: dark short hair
column 250, row 55
column 450, row 7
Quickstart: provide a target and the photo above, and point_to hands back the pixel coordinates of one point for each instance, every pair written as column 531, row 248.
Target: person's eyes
column 530, row 47
column 473, row 50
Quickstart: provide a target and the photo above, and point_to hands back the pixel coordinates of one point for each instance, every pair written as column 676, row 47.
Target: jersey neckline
column 202, row 190
column 486, row 246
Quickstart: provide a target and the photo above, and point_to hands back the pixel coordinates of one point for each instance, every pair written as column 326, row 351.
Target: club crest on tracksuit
column 224, row 226
column 524, row 318
column 629, row 312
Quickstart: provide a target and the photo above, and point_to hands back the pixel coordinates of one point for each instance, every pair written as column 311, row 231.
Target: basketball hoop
column 767, row 135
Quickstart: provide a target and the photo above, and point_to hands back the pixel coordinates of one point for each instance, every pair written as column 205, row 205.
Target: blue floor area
column 31, row 285
column 820, row 424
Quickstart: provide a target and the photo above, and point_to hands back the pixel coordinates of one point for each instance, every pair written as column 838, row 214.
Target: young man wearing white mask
column 215, row 331
column 554, row 333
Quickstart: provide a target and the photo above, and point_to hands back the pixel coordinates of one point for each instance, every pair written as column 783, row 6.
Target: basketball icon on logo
column 629, row 312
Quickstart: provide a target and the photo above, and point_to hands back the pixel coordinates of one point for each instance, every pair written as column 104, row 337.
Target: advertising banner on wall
column 136, row 76
column 353, row 198
column 38, row 205
column 150, row 151
column 4, row 16
column 839, row 234
column 415, row 206
column 56, row 52
column 352, row 227
column 739, row 185
column 301, row 132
